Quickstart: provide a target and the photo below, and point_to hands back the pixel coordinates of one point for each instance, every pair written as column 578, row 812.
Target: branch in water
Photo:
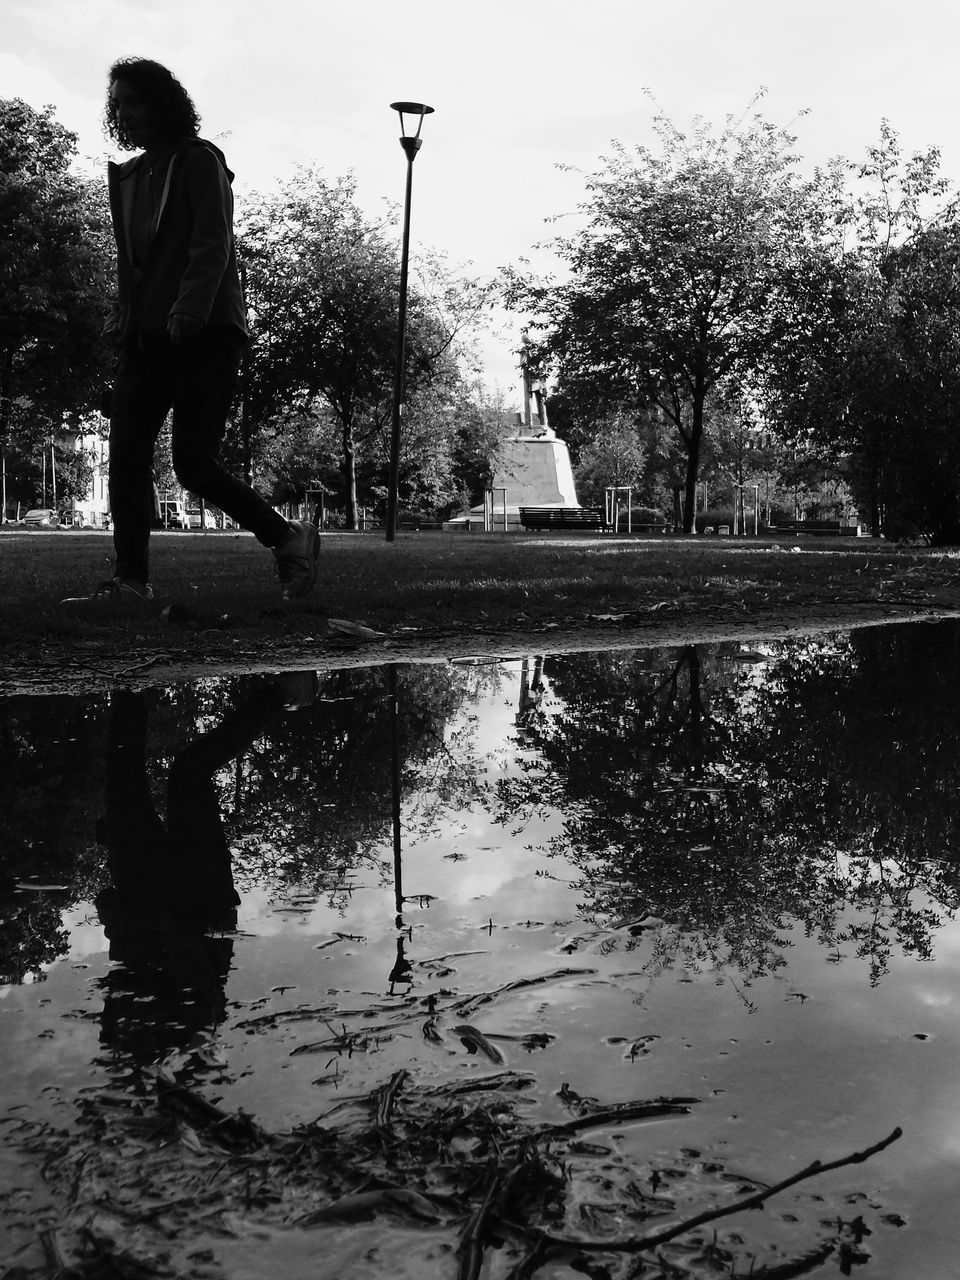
column 638, row 1243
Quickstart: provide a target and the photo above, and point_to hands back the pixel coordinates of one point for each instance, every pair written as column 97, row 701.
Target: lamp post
column 411, row 144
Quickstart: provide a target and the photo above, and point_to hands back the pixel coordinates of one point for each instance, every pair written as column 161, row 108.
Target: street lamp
column 411, row 144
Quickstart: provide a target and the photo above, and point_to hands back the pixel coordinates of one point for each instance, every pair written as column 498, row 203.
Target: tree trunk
column 693, row 458
column 245, row 447
column 6, row 392
column 876, row 518
column 6, row 399
column 696, row 753
column 350, row 476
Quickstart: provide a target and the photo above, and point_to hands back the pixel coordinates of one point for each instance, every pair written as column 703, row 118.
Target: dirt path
column 98, row 667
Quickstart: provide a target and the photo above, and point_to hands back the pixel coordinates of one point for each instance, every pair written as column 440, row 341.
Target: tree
column 897, row 380
column 483, row 422
column 322, row 281
column 874, row 388
column 743, row 455
column 48, row 472
column 614, row 456
column 692, row 265
column 55, row 269
column 297, row 451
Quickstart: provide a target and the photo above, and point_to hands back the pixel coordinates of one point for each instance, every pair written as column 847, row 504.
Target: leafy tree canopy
column 322, row 284
column 693, row 263
column 874, row 386
column 55, row 274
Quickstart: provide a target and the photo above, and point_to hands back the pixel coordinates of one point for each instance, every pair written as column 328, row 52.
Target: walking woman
column 179, row 326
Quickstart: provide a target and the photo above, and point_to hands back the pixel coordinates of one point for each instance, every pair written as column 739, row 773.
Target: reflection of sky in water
column 809, row 1063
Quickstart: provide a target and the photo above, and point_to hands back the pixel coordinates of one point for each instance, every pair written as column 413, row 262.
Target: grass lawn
column 431, row 585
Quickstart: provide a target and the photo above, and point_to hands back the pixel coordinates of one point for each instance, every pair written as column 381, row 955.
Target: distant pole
column 411, row 145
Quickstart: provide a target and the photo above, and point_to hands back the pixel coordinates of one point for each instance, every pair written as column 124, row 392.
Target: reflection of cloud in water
column 937, row 1000
column 488, row 878
column 498, row 719
column 948, row 942
column 87, row 937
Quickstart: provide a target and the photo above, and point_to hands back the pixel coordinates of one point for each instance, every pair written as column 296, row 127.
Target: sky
column 528, row 94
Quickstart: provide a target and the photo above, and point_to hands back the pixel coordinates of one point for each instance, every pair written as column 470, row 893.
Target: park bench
column 830, row 528
column 563, row 518
column 412, row 524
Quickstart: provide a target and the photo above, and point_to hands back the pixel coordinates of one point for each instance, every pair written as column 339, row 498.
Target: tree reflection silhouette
column 309, row 799
column 50, row 783
column 730, row 805
column 317, row 791
column 305, row 803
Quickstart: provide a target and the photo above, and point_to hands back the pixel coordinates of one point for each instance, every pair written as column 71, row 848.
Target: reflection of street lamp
column 401, row 969
column 411, row 145
column 395, row 792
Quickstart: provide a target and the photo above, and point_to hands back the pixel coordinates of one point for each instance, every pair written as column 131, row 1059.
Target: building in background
column 92, row 511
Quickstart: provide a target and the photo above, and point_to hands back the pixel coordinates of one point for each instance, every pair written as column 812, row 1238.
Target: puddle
column 300, row 974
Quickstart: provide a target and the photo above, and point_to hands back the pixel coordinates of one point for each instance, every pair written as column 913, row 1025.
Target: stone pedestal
column 534, row 469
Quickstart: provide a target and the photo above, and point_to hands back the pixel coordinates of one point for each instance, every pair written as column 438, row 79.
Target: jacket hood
column 216, row 151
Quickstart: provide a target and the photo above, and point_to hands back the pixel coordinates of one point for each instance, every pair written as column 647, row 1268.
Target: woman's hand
column 183, row 326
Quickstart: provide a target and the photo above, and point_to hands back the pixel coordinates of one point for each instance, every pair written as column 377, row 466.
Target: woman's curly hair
column 169, row 102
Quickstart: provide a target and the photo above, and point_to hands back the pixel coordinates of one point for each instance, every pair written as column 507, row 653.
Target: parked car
column 41, row 518
column 209, row 519
column 171, row 515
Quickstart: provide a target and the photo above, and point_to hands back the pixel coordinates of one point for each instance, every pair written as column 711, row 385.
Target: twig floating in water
column 634, row 1244
column 798, row 1266
column 505, row 1080
column 475, row 1040
column 386, row 1095
column 625, row 1111
column 484, row 997
column 470, row 1248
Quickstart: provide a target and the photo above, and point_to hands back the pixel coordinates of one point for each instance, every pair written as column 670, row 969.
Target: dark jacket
column 191, row 266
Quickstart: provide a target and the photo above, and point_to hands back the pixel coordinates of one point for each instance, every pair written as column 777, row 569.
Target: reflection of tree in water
column 869, row 735
column 304, row 803
column 728, row 806
column 861, row 744
column 311, row 798
column 316, row 774
column 50, row 784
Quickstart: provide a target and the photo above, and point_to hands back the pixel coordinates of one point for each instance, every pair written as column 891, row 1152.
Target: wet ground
column 499, row 969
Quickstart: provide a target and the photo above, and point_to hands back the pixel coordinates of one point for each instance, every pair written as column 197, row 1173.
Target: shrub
column 642, row 515
column 713, row 517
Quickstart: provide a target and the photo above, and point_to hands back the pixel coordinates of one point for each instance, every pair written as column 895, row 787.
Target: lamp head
column 411, row 143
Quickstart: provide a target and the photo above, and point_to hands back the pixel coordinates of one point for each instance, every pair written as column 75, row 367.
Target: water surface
column 522, row 892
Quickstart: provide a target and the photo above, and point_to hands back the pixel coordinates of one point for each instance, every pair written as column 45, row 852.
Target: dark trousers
column 198, row 379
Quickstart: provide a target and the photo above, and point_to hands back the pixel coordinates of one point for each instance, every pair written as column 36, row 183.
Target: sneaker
column 297, row 559
column 115, row 590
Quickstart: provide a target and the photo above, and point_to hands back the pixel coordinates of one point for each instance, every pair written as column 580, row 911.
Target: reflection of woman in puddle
column 172, row 904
